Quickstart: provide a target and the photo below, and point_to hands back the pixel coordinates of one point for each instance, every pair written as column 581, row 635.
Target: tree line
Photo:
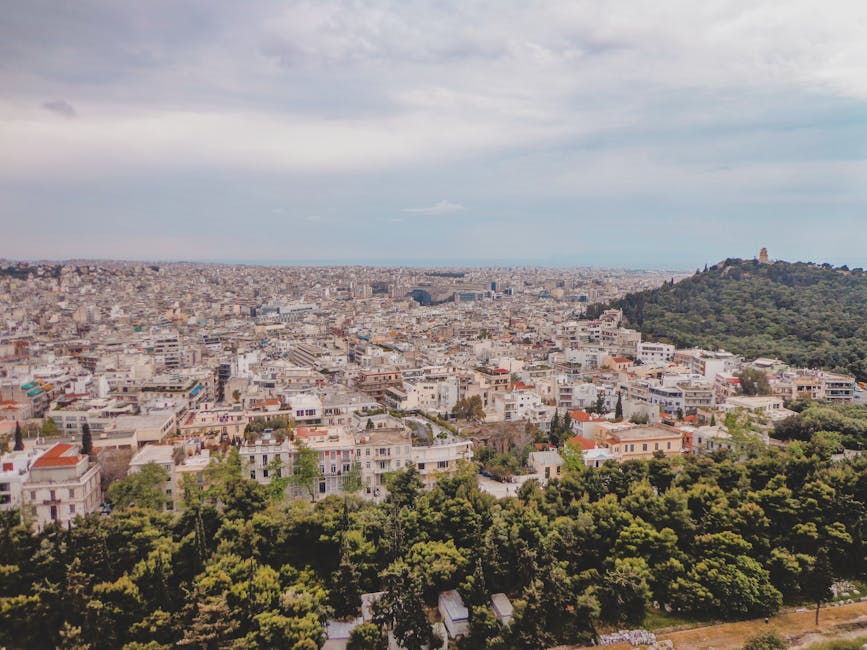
column 808, row 315
column 243, row 567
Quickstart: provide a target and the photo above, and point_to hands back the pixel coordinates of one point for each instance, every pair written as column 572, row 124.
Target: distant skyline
column 639, row 135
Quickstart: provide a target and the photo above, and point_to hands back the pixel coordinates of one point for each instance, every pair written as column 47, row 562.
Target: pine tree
column 600, row 403
column 86, row 440
column 816, row 583
column 345, row 590
column 618, row 408
column 19, row 440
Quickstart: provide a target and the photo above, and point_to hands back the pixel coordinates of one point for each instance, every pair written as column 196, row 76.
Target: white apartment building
column 575, row 393
column 377, row 451
column 429, row 395
column 380, row 451
column 14, row 472
column 516, row 405
column 63, row 484
column 655, row 353
column 441, row 459
column 705, row 363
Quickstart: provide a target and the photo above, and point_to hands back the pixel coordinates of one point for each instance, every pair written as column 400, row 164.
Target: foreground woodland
column 242, row 566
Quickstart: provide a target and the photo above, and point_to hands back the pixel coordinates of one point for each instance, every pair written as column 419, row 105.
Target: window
column 421, row 465
column 72, row 508
column 644, row 446
column 253, row 474
column 368, row 464
column 346, row 467
column 669, row 445
column 52, row 496
column 264, row 459
column 655, row 445
column 71, row 493
column 334, row 469
column 443, row 464
column 265, row 473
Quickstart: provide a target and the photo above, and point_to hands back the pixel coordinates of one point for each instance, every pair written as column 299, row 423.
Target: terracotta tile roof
column 580, row 416
column 58, row 456
column 583, row 442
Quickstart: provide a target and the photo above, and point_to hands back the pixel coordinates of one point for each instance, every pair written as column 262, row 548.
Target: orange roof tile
column 57, row 457
column 582, row 442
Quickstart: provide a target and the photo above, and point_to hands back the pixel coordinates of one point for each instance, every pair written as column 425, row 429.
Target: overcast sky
column 663, row 133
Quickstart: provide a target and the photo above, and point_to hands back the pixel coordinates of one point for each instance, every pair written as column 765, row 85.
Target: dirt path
column 844, row 622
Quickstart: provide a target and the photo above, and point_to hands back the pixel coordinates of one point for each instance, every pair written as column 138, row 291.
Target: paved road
column 501, row 490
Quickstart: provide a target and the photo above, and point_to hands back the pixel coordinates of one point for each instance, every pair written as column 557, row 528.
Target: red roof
column 583, row 442
column 621, row 360
column 580, row 416
column 58, row 456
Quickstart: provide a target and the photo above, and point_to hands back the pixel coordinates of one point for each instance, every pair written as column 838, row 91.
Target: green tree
column 19, row 440
column 753, row 382
column 469, row 408
column 817, row 580
column 366, row 636
column 305, row 469
column 86, row 440
column 49, row 429
column 573, row 457
column 345, row 591
column 404, row 487
column 618, row 408
column 279, row 480
column 369, row 425
column 436, row 565
column 402, row 607
column 624, row 593
column 600, row 403
column 145, row 488
column 765, row 641
column 352, row 479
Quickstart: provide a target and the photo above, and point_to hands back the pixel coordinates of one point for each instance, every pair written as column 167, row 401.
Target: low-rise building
column 63, row 484
column 14, row 472
column 642, row 442
column 455, row 614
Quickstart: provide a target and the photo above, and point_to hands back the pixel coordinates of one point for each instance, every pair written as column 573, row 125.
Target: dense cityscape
column 189, row 397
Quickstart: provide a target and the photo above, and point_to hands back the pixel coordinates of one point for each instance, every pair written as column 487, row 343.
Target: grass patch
column 657, row 619
column 840, row 644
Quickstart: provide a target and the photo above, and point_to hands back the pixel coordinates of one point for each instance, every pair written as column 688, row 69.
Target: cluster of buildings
column 168, row 362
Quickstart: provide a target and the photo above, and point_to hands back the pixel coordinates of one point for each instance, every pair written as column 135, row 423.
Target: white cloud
column 441, row 207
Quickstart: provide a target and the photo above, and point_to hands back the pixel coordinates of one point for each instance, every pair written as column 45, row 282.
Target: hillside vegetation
column 805, row 314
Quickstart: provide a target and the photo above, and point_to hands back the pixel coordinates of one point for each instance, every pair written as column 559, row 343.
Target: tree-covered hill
column 805, row 314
